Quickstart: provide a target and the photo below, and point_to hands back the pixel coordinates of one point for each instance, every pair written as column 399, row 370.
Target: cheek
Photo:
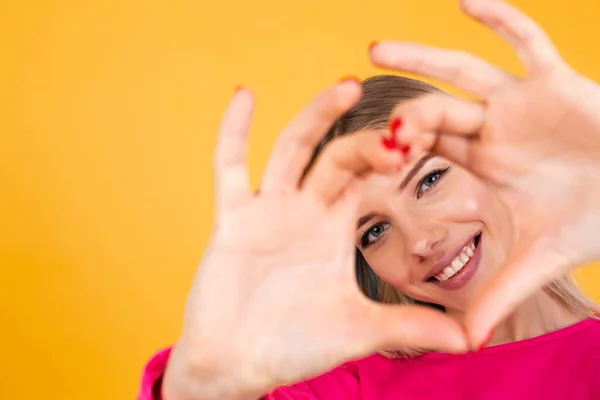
column 469, row 200
column 479, row 203
column 388, row 264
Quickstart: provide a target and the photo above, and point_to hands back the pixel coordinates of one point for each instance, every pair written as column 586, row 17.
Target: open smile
column 453, row 273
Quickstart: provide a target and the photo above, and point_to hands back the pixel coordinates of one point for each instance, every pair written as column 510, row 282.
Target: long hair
column 380, row 95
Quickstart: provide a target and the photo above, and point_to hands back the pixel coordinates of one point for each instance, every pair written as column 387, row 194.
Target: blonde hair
column 380, row 95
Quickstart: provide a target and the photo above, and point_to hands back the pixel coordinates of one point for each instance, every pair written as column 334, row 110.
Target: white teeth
column 458, row 263
column 448, row 271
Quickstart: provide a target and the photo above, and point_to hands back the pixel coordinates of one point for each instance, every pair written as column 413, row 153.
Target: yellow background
column 108, row 117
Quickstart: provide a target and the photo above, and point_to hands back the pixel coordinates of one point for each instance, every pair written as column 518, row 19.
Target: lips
column 458, row 263
column 450, row 266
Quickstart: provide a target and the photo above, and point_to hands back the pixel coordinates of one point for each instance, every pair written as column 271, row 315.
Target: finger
column 522, row 276
column 440, row 124
column 345, row 212
column 298, row 141
column 346, row 208
column 532, row 44
column 456, row 67
column 230, row 162
column 345, row 158
column 414, row 327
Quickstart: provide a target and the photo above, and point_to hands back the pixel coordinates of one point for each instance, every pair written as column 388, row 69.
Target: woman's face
column 434, row 231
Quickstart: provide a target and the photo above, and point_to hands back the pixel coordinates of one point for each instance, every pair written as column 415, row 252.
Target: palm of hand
column 276, row 298
column 532, row 145
column 299, row 269
column 534, row 141
column 537, row 151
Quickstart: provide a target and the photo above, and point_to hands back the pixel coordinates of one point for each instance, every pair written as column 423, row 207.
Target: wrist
column 203, row 378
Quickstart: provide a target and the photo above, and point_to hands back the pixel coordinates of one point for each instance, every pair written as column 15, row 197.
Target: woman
column 276, row 300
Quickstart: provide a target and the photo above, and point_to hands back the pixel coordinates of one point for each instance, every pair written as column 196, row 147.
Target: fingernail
column 487, row 339
column 405, row 150
column 389, row 143
column 395, row 126
column 237, row 88
column 373, row 44
column 349, row 78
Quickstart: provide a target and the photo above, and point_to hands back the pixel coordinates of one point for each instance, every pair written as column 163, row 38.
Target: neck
column 537, row 316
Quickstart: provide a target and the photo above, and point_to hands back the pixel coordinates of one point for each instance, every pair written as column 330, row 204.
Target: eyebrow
column 411, row 174
column 415, row 170
column 365, row 219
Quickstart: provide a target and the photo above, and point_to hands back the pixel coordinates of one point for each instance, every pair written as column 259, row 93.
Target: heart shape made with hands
column 534, row 140
column 288, row 274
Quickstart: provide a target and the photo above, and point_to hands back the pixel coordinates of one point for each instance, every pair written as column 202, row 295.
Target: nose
column 425, row 239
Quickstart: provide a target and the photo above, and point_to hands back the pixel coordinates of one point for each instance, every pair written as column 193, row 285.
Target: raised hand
column 535, row 140
column 276, row 298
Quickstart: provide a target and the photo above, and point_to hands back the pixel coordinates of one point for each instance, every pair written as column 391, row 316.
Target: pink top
column 564, row 364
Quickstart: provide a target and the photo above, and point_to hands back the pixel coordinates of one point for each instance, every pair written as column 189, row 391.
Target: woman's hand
column 276, row 299
column 535, row 141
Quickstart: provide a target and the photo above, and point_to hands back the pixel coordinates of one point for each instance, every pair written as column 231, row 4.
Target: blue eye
column 374, row 233
column 430, row 180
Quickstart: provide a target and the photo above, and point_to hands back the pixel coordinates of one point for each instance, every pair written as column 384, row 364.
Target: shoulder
column 152, row 376
column 352, row 380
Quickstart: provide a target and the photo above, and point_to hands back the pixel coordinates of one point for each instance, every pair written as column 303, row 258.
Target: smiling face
column 433, row 231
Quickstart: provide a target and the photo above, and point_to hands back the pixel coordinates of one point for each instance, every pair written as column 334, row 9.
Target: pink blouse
column 564, row 364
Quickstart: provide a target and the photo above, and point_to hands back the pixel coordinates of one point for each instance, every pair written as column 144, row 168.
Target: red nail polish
column 349, row 78
column 486, row 341
column 395, row 126
column 389, row 143
column 372, row 44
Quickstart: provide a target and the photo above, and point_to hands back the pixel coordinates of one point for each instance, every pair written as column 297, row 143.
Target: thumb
column 528, row 271
column 399, row 327
column 438, row 123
